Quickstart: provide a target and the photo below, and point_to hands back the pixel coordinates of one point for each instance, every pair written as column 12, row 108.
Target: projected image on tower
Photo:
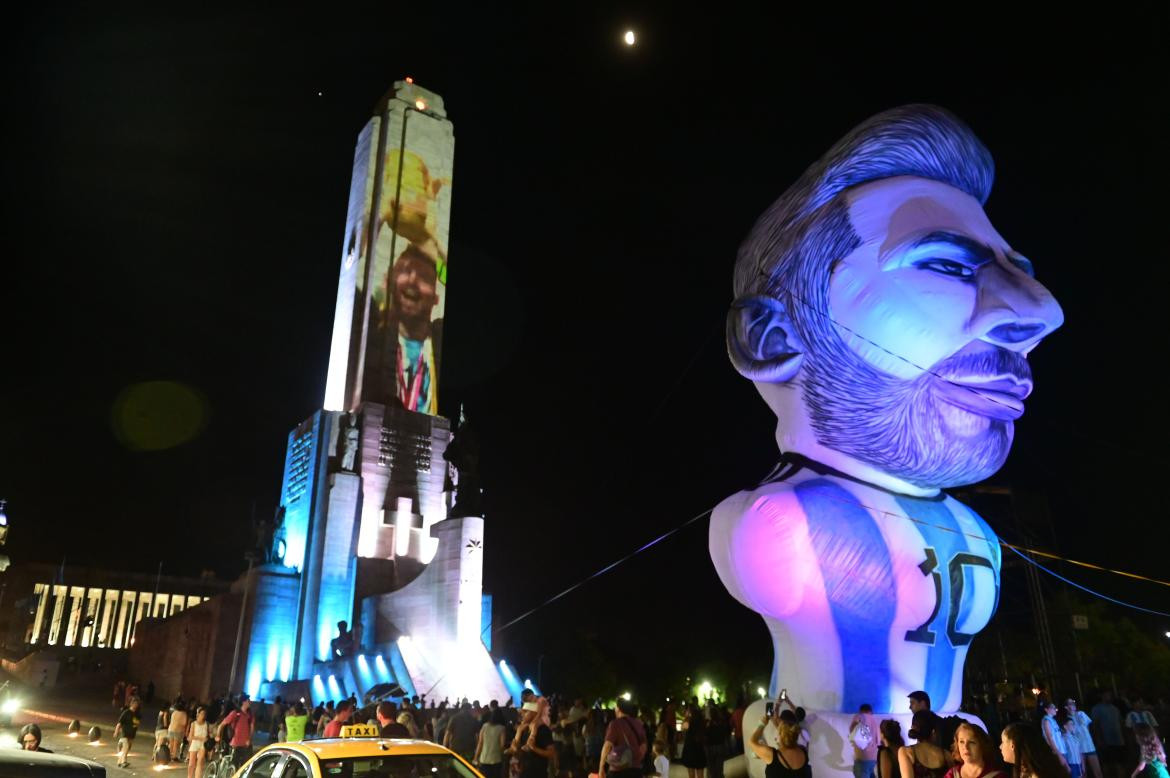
column 409, row 273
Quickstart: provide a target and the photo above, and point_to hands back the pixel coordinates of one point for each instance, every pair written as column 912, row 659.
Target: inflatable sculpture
column 887, row 325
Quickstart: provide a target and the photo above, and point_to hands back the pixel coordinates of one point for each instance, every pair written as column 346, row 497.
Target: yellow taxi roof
column 341, row 748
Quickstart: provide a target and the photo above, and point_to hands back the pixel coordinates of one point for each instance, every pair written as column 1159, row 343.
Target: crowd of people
column 556, row 737
column 1062, row 742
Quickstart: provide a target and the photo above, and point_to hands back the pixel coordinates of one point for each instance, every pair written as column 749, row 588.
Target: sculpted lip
column 999, row 397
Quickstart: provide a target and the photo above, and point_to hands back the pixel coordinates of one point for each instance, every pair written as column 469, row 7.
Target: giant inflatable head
column 880, row 314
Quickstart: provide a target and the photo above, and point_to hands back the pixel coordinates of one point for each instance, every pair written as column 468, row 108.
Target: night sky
column 174, row 202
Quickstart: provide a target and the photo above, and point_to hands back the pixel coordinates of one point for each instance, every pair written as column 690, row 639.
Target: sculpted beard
column 901, row 426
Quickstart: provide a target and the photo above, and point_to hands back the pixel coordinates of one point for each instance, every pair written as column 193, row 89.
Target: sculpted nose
column 1012, row 310
column 1016, row 332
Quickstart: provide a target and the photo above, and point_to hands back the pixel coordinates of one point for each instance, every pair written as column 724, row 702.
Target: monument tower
column 365, row 534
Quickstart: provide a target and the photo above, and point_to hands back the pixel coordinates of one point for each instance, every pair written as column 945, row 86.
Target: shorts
column 1074, row 770
column 124, row 744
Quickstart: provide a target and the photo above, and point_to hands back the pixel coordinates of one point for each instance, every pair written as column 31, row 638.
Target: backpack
column 630, row 754
column 861, row 736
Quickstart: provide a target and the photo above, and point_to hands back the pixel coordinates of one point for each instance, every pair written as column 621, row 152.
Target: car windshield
column 401, row 766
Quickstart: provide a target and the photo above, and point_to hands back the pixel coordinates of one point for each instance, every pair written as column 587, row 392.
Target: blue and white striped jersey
column 869, row 595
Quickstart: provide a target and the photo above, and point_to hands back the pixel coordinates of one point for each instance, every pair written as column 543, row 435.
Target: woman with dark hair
column 694, row 753
column 1025, row 749
column 593, row 730
column 923, row 759
column 973, row 753
column 892, row 742
column 30, row 739
column 490, row 744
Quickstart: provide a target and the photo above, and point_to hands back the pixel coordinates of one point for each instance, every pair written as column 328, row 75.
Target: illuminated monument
column 886, row 324
column 369, row 531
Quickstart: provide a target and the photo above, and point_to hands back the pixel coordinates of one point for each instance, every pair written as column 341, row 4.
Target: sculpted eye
column 946, row 267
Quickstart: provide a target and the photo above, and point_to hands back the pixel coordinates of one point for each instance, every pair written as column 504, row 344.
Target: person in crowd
column 694, row 752
column 718, row 740
column 920, row 703
column 1088, row 749
column 1052, row 732
column 890, row 732
column 649, row 725
column 737, row 724
column 176, row 727
column 197, row 732
column 1112, row 742
column 863, row 736
column 387, row 715
column 593, row 733
column 462, row 732
column 295, row 721
column 625, row 744
column 441, row 722
column 572, row 723
column 315, row 717
column 407, row 720
column 1151, row 755
column 161, row 728
column 670, row 718
column 973, row 754
column 119, row 693
column 1072, row 744
column 489, row 745
column 30, row 739
column 533, row 744
column 923, row 759
column 661, row 761
column 1024, row 748
column 326, row 716
column 341, row 716
column 276, row 713
column 790, row 760
column 126, row 730
column 242, row 724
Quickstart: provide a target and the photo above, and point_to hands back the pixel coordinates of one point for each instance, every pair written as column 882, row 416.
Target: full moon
column 629, row 38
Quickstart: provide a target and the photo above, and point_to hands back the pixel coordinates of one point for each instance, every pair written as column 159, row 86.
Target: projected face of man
column 414, row 282
column 923, row 371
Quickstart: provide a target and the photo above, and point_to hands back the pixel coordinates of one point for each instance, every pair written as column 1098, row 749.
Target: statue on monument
column 352, row 435
column 463, row 453
column 887, row 325
column 342, row 645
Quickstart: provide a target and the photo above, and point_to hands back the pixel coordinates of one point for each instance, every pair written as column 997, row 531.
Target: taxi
column 360, row 752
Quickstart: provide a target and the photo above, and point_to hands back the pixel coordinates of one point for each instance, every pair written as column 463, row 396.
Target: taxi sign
column 360, row 730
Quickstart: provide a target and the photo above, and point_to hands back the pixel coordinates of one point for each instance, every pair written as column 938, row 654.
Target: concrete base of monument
column 829, row 749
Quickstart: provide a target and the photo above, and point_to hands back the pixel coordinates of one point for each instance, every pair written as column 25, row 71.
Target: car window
column 265, row 766
column 295, row 768
column 397, row 766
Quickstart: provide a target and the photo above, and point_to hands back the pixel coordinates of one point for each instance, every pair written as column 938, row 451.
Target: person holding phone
column 790, row 760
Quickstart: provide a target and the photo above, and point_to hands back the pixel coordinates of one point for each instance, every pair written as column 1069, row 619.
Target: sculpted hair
column 790, row 250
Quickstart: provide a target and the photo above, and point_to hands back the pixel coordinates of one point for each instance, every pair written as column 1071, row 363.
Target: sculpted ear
column 761, row 340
